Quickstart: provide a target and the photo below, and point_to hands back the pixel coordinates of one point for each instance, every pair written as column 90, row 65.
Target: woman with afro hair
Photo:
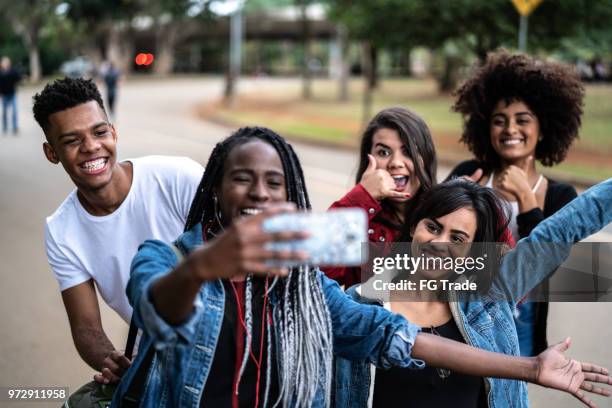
column 518, row 110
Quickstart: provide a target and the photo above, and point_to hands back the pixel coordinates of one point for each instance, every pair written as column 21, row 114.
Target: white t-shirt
column 81, row 246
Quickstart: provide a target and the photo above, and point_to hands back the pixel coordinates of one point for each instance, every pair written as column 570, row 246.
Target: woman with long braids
column 518, row 110
column 222, row 327
column 444, row 224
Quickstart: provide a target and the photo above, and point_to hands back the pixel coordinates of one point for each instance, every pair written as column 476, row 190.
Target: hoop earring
column 217, row 212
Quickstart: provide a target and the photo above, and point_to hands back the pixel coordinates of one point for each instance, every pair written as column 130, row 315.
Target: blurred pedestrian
column 111, row 75
column 9, row 78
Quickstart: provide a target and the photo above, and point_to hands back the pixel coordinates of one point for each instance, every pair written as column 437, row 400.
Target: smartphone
column 335, row 237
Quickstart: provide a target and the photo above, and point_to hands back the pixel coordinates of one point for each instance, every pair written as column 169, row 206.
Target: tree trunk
column 234, row 57
column 450, row 74
column 31, row 40
column 165, row 42
column 120, row 47
column 369, row 68
column 343, row 79
column 230, row 87
column 35, row 68
column 306, row 34
column 373, row 73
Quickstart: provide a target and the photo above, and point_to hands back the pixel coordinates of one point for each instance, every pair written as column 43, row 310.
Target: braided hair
column 302, row 320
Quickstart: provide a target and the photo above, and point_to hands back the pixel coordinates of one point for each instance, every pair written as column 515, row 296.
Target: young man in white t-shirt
column 92, row 237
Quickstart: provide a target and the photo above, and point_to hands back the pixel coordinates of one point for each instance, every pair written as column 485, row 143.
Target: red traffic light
column 144, row 59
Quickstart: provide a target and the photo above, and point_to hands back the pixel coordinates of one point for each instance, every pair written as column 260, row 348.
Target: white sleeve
column 67, row 273
column 189, row 178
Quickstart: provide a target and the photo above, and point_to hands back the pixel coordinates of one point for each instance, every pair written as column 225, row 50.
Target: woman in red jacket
column 397, row 161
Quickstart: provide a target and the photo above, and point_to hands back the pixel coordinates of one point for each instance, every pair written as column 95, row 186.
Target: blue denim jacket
column 184, row 353
column 489, row 324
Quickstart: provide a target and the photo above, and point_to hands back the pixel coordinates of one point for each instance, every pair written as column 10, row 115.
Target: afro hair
column 552, row 90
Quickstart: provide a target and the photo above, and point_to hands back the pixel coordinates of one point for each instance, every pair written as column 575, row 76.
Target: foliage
column 461, row 30
column 480, row 25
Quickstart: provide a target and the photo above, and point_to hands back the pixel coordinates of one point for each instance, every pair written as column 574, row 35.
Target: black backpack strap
column 131, row 340
column 133, row 394
column 131, row 398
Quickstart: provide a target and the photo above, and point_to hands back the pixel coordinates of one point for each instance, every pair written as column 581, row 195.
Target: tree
column 170, row 18
column 343, row 77
column 28, row 17
column 106, row 27
column 306, row 46
column 467, row 27
column 306, row 33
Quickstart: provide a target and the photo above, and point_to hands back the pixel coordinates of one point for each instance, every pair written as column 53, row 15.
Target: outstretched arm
column 238, row 251
column 366, row 332
column 164, row 292
column 550, row 369
column 549, row 244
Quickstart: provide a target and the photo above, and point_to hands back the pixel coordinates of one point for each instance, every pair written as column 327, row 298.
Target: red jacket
column 379, row 230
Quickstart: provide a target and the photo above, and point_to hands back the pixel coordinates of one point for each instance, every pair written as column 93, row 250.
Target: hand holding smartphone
column 335, row 237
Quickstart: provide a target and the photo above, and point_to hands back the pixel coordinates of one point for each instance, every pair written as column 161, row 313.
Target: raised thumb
column 371, row 164
column 564, row 345
column 477, row 175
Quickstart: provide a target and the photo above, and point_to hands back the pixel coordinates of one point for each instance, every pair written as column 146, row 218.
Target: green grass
column 324, row 118
column 582, row 170
column 597, row 121
column 302, row 129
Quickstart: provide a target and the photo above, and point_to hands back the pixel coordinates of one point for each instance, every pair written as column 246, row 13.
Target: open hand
column 556, row 370
column 379, row 183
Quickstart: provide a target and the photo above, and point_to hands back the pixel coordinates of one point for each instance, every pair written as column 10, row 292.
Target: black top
column 8, row 81
column 429, row 387
column 557, row 195
column 218, row 390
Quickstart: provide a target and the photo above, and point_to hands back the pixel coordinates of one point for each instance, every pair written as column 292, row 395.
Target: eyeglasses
column 443, row 373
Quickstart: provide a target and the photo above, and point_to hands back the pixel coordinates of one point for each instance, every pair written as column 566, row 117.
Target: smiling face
column 448, row 236
column 82, row 140
column 514, row 131
column 391, row 155
column 253, row 178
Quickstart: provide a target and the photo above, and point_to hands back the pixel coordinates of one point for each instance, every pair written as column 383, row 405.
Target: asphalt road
column 158, row 117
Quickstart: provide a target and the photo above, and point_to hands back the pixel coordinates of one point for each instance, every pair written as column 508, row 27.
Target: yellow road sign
column 525, row 7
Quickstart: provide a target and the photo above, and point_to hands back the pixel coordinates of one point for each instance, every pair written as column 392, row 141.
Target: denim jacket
column 184, row 353
column 489, row 324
